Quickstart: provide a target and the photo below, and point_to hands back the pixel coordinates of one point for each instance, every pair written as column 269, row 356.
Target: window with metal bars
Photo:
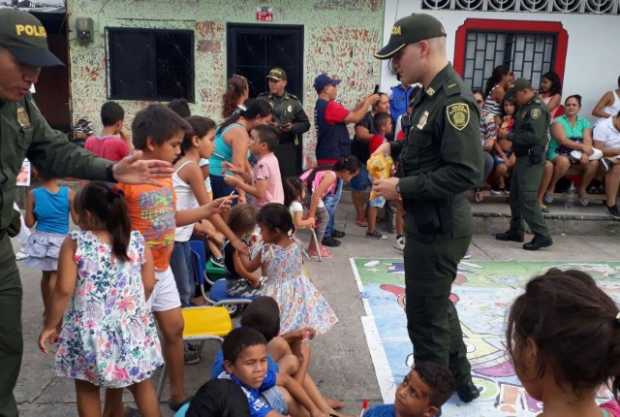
column 528, row 55
column 150, row 64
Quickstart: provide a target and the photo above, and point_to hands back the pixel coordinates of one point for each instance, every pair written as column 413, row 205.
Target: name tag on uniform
column 422, row 120
column 22, row 118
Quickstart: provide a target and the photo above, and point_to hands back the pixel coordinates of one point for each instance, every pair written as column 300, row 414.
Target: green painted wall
column 340, row 37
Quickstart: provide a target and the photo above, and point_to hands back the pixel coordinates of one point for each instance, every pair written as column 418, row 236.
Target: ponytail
column 118, row 224
column 253, row 109
column 348, row 163
column 108, row 207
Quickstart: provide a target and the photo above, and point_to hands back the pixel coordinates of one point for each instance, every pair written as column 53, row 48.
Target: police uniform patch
column 22, row 118
column 458, row 115
column 535, row 113
column 289, row 108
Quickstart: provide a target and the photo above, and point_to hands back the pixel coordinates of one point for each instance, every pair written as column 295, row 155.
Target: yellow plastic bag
column 379, row 167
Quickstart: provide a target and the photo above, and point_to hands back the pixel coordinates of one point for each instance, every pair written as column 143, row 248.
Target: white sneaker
column 400, row 243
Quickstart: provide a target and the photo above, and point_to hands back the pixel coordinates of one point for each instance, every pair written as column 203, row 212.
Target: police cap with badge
column 411, row 29
column 25, row 37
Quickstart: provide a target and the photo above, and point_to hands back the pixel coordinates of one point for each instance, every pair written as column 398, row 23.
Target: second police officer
column 290, row 119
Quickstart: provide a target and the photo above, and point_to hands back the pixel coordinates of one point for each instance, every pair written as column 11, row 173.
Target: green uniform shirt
column 531, row 125
column 25, row 133
column 441, row 158
column 288, row 109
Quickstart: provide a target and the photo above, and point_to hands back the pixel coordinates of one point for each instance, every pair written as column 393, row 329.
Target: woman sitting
column 569, row 133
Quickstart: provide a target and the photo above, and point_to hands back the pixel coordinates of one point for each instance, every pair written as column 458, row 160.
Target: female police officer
column 439, row 161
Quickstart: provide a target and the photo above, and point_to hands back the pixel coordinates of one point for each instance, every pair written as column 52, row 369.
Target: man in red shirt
column 112, row 144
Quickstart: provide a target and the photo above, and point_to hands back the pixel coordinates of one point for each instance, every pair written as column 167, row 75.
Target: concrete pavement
column 341, row 362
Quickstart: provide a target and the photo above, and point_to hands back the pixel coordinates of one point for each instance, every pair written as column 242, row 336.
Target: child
column 291, row 350
column 505, row 159
column 112, row 143
column 108, row 337
column 563, row 336
column 158, row 132
column 266, row 184
column 301, row 304
column 190, row 191
column 294, row 195
column 322, row 185
column 47, row 206
column 422, row 393
column 217, row 398
column 379, row 167
column 246, row 364
column 241, row 281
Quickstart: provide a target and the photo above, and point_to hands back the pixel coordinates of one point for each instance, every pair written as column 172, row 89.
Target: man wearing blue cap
column 24, row 132
column 332, row 138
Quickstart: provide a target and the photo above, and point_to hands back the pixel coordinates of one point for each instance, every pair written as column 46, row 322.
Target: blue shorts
column 377, row 202
column 275, row 399
column 361, row 182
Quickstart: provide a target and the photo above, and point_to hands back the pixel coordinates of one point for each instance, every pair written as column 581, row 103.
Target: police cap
column 411, row 29
column 25, row 37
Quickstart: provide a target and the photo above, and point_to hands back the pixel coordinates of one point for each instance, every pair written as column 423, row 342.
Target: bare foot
column 335, row 404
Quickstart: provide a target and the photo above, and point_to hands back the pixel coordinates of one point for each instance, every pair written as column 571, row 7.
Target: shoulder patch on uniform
column 458, row 115
column 535, row 113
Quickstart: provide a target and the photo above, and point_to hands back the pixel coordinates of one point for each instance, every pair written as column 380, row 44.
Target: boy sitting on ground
column 422, row 393
column 291, row 350
column 246, row 364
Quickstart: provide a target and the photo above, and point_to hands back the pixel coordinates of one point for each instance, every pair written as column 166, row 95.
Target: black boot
column 468, row 392
column 510, row 235
column 538, row 242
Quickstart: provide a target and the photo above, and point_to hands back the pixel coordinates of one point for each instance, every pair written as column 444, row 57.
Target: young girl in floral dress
column 108, row 337
column 301, row 304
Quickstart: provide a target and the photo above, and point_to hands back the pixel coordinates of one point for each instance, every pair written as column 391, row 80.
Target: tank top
column 52, row 210
column 222, row 150
column 615, row 106
column 490, row 105
column 185, row 200
column 316, row 181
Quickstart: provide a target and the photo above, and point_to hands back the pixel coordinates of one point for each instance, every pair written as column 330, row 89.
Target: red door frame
column 521, row 26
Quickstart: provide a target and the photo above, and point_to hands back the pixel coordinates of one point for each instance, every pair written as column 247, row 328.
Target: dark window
column 529, row 55
column 150, row 64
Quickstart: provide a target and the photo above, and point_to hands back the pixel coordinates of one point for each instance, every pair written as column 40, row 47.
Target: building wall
column 591, row 67
column 339, row 37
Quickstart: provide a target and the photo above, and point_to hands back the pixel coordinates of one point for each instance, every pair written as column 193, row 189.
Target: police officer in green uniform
column 24, row 132
column 440, row 160
column 291, row 120
column 529, row 138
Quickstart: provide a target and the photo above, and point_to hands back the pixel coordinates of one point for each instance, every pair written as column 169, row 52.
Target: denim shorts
column 377, row 202
column 361, row 182
column 274, row 397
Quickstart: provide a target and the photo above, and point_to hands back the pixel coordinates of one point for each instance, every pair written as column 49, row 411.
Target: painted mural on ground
column 482, row 293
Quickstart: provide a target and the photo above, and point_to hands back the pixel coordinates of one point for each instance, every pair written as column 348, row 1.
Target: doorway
column 254, row 49
column 52, row 89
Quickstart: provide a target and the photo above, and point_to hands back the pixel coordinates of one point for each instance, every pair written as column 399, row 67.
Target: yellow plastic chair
column 201, row 324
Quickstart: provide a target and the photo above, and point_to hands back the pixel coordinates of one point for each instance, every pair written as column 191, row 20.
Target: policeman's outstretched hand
column 386, row 188
column 134, row 170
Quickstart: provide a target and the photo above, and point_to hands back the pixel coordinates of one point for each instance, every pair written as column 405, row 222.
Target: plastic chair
column 233, row 305
column 201, row 324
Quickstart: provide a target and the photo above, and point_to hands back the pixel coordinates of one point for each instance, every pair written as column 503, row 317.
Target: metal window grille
column 602, row 7
column 528, row 55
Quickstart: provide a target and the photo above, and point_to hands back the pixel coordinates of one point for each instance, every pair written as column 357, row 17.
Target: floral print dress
column 108, row 336
column 301, row 304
